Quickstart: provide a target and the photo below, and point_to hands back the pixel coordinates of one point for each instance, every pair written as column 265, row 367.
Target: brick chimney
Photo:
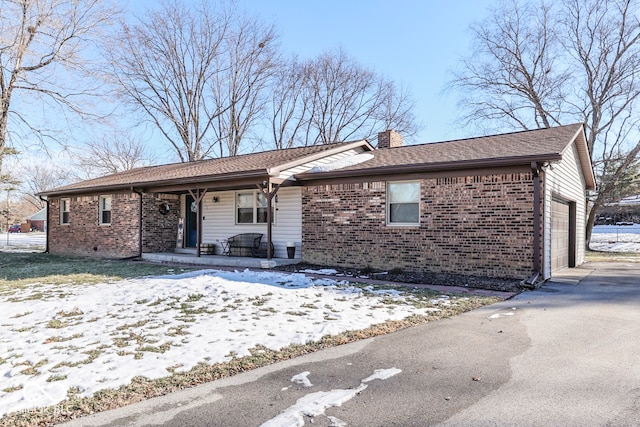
column 389, row 139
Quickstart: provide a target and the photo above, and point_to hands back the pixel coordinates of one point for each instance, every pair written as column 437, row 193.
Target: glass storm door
column 191, row 223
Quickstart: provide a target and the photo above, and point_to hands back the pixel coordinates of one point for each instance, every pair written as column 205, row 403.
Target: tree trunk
column 591, row 219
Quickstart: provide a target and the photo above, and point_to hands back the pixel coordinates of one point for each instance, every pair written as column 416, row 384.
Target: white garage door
column 559, row 235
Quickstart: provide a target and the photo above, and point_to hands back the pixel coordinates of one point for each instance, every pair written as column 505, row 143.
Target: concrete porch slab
column 216, row 260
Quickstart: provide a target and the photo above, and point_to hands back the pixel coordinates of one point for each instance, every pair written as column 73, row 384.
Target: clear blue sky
column 413, row 42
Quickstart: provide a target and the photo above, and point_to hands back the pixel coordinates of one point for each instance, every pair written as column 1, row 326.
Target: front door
column 191, row 223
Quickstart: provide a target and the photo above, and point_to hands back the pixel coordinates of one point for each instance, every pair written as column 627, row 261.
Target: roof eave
column 159, row 183
column 430, row 167
column 580, row 141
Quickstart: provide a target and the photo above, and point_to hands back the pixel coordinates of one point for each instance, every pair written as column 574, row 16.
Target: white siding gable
column 319, row 162
column 564, row 180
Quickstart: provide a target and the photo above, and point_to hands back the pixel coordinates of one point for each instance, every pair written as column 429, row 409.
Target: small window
column 64, row 211
column 251, row 208
column 403, row 203
column 105, row 209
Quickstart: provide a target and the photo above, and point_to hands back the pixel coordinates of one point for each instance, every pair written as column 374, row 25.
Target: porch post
column 265, row 187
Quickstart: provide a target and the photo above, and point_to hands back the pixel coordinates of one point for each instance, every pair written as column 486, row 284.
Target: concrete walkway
column 190, row 258
column 567, row 354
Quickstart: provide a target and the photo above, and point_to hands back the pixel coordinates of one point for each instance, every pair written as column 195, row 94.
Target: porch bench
column 245, row 244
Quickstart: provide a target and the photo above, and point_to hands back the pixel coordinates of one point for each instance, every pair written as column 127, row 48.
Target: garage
column 560, row 234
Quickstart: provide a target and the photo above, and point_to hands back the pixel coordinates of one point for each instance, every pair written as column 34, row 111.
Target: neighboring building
column 626, row 210
column 511, row 205
column 38, row 221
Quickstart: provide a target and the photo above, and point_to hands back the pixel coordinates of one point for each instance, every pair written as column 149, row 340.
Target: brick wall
column 160, row 231
column 473, row 225
column 84, row 235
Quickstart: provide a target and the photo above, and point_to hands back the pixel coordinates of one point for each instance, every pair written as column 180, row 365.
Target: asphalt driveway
column 566, row 354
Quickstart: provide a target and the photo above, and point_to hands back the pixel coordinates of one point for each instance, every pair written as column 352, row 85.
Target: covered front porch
column 190, row 257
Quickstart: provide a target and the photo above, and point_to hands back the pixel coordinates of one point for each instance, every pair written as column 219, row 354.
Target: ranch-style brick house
column 506, row 206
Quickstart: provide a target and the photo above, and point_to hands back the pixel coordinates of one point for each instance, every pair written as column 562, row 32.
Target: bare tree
column 535, row 65
column 39, row 40
column 114, row 153
column 289, row 107
column 348, row 100
column 38, row 178
column 165, row 65
column 245, row 75
column 197, row 73
column 333, row 98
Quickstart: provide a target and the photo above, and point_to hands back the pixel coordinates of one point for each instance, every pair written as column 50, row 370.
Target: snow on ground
column 56, row 338
column 23, row 242
column 314, row 404
column 616, row 238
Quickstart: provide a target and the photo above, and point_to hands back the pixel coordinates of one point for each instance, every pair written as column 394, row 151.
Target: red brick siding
column 85, row 236
column 159, row 231
column 474, row 225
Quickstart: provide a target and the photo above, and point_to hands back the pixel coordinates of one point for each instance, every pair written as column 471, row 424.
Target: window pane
column 105, row 210
column 106, row 203
column 245, row 200
column 404, row 192
column 245, row 215
column 244, row 206
column 106, row 217
column 404, row 213
column 64, row 211
column 261, row 199
column 262, row 215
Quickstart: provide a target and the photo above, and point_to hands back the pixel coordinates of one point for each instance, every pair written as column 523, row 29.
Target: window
column 64, row 211
column 403, row 203
column 251, row 208
column 105, row 209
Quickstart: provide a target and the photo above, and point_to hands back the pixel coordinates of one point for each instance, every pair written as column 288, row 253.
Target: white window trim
column 65, row 202
column 100, row 210
column 388, row 205
column 255, row 208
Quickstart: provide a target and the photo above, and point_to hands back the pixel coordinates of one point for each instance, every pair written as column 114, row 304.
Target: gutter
column 429, row 167
column 535, row 170
column 139, row 193
column 46, row 245
column 157, row 183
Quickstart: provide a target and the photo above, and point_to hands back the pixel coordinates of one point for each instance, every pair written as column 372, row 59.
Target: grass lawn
column 602, row 256
column 65, row 316
column 21, row 269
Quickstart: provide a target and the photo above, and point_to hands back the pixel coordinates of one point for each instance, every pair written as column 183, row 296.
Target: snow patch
column 302, row 379
column 315, row 404
column 100, row 336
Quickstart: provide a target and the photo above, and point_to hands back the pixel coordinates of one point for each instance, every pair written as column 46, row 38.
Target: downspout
column 536, row 225
column 139, row 193
column 46, row 245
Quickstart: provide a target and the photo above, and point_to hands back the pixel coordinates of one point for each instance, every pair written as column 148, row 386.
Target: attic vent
column 343, row 163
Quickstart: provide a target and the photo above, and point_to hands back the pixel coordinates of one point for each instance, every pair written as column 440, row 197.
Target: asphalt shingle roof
column 199, row 170
column 539, row 143
column 542, row 144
